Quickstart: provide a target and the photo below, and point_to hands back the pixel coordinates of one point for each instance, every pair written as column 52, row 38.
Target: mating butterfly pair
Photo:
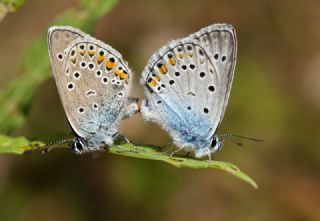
column 187, row 84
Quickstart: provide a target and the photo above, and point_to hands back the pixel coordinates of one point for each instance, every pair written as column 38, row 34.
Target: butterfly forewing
column 59, row 38
column 221, row 45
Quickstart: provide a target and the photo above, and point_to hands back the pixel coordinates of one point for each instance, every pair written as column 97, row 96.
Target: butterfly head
column 215, row 145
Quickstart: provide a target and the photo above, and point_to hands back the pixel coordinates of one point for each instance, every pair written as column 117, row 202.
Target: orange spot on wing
column 162, row 69
column 110, row 64
column 91, row 53
column 100, row 58
column 73, row 60
column 181, row 55
column 152, row 82
column 123, row 75
column 117, row 72
column 157, row 78
column 172, row 61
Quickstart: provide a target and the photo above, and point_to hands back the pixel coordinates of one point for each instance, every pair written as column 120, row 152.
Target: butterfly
column 93, row 81
column 187, row 84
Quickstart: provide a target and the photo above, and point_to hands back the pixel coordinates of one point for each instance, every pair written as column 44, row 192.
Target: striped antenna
column 241, row 137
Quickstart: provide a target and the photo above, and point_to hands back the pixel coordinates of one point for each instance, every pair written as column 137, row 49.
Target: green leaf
column 17, row 145
column 7, row 6
column 21, row 145
column 152, row 153
column 16, row 98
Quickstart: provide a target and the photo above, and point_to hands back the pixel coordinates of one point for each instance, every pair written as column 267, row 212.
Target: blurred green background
column 275, row 96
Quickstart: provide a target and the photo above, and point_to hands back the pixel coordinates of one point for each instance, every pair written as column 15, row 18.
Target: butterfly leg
column 177, row 150
column 209, row 156
column 134, row 148
column 165, row 149
column 123, row 149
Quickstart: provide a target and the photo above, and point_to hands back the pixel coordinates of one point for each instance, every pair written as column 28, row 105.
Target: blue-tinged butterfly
column 187, row 85
column 93, row 81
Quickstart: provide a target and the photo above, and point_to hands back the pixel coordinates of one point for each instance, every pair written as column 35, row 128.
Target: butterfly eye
column 78, row 145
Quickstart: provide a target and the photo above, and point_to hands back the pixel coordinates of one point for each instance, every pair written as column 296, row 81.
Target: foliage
column 7, row 6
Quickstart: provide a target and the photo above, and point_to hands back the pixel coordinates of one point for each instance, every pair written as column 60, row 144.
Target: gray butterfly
column 93, row 81
column 187, row 85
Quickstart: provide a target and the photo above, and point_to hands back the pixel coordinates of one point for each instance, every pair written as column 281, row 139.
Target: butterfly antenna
column 241, row 137
column 48, row 147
